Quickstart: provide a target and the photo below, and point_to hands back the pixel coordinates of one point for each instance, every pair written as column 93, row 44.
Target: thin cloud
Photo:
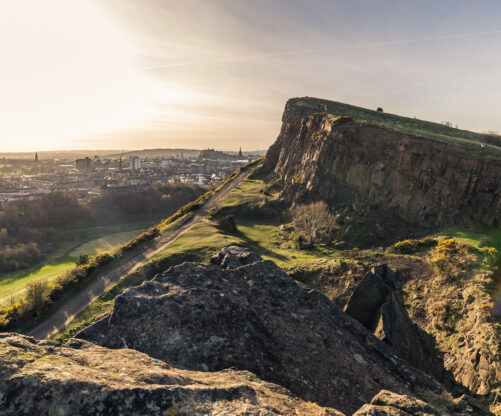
column 312, row 51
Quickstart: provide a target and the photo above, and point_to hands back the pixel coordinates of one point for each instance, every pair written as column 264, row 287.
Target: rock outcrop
column 255, row 317
column 227, row 223
column 342, row 159
column 377, row 304
column 216, row 340
column 45, row 378
column 386, row 403
column 232, row 257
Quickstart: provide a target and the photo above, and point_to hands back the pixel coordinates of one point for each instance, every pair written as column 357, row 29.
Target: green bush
column 37, row 298
column 82, row 259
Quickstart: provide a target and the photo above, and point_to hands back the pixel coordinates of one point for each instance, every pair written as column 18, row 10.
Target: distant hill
column 154, row 153
column 58, row 154
column 113, row 154
column 187, row 153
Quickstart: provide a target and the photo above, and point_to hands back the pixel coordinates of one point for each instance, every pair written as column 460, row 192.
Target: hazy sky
column 216, row 73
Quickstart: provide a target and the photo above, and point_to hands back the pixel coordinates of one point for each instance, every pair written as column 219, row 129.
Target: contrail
column 310, row 51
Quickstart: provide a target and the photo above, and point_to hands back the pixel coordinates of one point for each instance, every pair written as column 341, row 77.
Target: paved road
column 65, row 314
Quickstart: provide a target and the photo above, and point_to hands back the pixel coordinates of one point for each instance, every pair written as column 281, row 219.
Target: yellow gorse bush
column 446, row 247
column 403, row 246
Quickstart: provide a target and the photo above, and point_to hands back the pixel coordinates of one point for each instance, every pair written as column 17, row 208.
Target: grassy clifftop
column 460, row 140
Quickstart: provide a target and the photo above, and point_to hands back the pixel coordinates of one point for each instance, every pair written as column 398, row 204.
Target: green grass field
column 91, row 242
column 248, row 188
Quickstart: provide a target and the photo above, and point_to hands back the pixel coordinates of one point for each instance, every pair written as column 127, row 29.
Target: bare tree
column 314, row 222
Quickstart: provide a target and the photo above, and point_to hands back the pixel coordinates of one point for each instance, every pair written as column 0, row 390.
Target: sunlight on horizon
column 94, row 74
column 69, row 71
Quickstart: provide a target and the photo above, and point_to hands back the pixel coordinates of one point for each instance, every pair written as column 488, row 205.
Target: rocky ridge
column 235, row 337
column 252, row 316
column 42, row 377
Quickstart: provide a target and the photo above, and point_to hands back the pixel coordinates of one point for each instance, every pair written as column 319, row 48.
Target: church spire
column 240, row 152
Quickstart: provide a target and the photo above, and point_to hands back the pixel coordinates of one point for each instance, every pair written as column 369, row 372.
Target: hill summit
column 425, row 173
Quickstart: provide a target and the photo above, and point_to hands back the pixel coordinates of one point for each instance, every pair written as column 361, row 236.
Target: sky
column 128, row 74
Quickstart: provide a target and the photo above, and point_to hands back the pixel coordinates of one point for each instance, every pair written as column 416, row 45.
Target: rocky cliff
column 428, row 180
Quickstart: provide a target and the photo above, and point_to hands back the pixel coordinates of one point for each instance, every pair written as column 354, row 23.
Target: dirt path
column 65, row 314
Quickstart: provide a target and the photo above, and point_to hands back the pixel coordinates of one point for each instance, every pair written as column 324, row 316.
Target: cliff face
column 421, row 180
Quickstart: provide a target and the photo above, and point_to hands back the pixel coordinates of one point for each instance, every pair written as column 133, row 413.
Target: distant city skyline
column 217, row 73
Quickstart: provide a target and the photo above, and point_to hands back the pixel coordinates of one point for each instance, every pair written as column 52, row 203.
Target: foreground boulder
column 44, row 378
column 254, row 317
column 377, row 304
column 387, row 403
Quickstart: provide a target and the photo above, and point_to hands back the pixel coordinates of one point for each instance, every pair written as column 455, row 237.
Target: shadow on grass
column 258, row 247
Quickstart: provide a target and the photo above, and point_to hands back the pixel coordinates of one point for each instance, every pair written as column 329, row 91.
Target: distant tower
column 240, row 155
column 120, row 166
column 36, row 156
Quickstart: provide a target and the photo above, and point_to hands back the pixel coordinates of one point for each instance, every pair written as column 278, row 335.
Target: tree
column 37, row 297
column 380, row 109
column 313, row 222
column 82, row 259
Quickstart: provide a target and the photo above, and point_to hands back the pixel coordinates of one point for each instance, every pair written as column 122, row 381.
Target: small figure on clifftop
column 482, row 146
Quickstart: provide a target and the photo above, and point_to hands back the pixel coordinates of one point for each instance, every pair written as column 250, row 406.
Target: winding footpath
column 65, row 314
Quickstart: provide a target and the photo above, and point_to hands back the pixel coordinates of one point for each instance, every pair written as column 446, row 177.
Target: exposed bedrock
column 422, row 181
column 255, row 317
column 377, row 304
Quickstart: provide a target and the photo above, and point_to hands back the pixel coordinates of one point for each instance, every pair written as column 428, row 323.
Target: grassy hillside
column 459, row 140
column 92, row 242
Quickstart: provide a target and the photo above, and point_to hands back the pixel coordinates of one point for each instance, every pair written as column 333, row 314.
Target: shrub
column 149, row 234
column 411, row 246
column 82, row 259
column 56, row 291
column 37, row 297
column 404, row 247
column 491, row 254
column 313, row 222
column 452, row 258
column 297, row 240
column 9, row 315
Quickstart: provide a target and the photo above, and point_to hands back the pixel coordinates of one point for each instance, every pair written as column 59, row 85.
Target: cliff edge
column 426, row 173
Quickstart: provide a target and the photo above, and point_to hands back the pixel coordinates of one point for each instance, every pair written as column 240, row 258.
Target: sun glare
column 68, row 70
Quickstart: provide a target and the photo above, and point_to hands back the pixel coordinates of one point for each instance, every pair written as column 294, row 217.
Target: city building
column 84, row 165
column 135, row 163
